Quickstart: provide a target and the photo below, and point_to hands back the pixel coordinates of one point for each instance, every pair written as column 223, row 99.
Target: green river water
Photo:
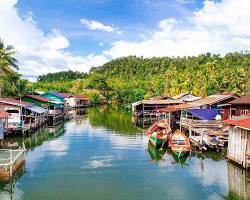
column 103, row 155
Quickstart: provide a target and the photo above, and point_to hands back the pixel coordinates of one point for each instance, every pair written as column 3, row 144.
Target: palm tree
column 7, row 65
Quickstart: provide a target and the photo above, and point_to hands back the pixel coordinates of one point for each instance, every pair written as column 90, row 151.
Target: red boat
column 159, row 133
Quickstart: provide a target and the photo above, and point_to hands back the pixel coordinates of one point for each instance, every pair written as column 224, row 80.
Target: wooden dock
column 10, row 161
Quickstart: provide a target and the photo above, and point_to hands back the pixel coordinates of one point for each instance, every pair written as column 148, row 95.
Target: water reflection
column 102, row 155
column 155, row 153
column 7, row 187
column 181, row 159
column 112, row 117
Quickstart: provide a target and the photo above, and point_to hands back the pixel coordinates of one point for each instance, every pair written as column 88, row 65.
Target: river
column 103, row 155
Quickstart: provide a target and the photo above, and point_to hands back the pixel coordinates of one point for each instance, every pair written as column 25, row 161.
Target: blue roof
column 204, row 114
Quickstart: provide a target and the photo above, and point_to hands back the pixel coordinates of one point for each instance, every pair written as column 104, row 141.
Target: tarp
column 204, row 114
column 37, row 109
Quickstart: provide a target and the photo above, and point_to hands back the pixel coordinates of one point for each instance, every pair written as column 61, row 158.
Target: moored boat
column 179, row 143
column 159, row 133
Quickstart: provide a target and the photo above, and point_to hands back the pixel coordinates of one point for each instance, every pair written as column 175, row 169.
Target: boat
column 180, row 159
column 179, row 143
column 159, row 133
column 156, row 154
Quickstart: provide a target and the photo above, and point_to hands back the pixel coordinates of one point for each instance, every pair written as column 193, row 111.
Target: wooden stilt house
column 239, row 140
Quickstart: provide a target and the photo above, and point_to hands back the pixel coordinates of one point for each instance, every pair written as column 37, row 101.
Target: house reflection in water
column 239, row 182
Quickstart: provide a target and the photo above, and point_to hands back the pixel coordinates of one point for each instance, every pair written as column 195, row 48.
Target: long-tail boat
column 159, row 133
column 179, row 143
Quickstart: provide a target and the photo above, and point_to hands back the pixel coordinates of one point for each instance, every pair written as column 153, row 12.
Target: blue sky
column 133, row 17
column 55, row 35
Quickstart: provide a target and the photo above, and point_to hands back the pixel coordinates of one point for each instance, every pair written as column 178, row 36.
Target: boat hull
column 156, row 142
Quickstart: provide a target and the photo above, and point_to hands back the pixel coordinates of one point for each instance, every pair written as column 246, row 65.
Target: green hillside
column 131, row 78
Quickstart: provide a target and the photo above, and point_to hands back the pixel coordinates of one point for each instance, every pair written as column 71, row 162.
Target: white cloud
column 39, row 52
column 95, row 25
column 218, row 27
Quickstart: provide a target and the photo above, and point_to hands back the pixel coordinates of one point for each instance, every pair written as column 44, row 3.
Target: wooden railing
column 185, row 122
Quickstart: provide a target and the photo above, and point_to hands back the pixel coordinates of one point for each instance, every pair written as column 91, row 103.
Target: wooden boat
column 156, row 154
column 179, row 143
column 159, row 133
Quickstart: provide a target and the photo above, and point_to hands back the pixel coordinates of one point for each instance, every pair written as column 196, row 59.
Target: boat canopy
column 204, row 114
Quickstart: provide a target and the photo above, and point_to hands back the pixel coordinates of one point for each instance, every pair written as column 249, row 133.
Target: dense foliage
column 11, row 83
column 131, row 78
column 61, row 76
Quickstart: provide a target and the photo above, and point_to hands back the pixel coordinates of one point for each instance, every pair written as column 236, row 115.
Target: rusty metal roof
column 15, row 102
column 242, row 100
column 243, row 122
column 176, row 108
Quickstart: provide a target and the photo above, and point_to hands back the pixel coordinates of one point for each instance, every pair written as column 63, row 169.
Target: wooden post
column 190, row 130
column 11, row 163
column 143, row 110
column 202, row 133
column 169, row 118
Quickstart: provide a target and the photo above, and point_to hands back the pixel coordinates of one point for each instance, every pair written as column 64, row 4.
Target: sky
column 56, row 35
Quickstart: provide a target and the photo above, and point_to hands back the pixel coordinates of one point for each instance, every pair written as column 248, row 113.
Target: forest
column 61, row 76
column 132, row 78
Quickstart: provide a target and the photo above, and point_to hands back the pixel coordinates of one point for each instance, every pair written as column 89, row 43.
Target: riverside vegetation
column 129, row 79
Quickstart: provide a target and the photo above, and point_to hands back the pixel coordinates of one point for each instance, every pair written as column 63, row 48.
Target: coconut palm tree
column 8, row 64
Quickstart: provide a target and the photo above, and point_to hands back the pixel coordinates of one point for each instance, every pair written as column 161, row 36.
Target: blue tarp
column 204, row 114
column 37, row 109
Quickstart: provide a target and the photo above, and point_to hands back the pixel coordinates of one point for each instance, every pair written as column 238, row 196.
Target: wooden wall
column 238, row 145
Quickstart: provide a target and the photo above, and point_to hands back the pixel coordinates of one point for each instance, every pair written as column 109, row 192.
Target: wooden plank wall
column 238, row 181
column 237, row 145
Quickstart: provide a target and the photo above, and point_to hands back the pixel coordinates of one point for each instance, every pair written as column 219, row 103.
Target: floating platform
column 10, row 161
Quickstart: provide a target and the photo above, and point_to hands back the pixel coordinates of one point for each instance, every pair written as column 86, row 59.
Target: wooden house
column 58, row 110
column 3, row 123
column 239, row 140
column 218, row 101
column 75, row 101
column 23, row 116
column 150, row 107
column 240, row 106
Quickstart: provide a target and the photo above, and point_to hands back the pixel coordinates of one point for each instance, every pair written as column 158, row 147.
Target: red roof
column 15, row 102
column 3, row 114
column 243, row 122
column 39, row 98
column 241, row 100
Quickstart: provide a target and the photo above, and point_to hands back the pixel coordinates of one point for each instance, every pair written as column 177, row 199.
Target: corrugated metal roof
column 161, row 101
column 212, row 99
column 180, row 95
column 37, row 109
column 241, row 100
column 241, row 122
column 57, row 94
column 39, row 98
column 3, row 114
column 175, row 108
column 15, row 102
